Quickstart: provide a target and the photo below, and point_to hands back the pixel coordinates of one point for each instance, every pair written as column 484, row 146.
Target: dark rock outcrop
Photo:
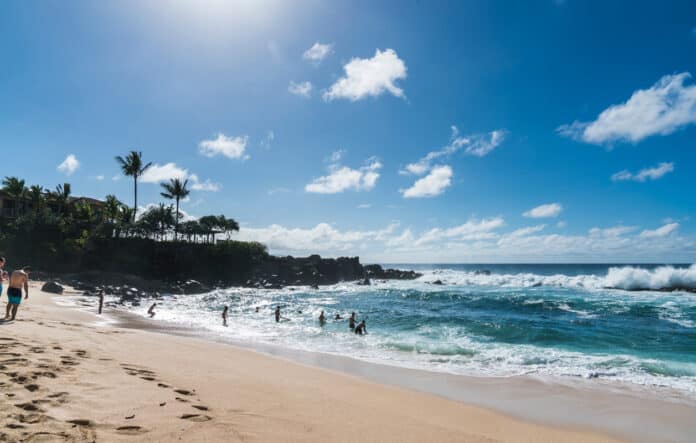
column 52, row 287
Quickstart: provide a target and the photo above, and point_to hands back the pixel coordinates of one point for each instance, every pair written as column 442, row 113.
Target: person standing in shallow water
column 151, row 311
column 224, row 316
column 277, row 314
column 322, row 319
column 351, row 321
column 361, row 328
column 101, row 300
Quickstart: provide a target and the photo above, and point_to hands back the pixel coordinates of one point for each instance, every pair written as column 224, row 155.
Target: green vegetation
column 57, row 232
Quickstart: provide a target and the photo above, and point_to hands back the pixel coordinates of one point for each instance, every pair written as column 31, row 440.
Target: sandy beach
column 68, row 376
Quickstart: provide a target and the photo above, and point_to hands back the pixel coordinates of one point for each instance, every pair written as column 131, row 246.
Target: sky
column 401, row 132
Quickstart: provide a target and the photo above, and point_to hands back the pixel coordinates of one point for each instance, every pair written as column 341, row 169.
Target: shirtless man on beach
column 224, row 315
column 18, row 280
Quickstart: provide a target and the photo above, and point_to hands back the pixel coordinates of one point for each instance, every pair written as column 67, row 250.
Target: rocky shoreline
column 273, row 273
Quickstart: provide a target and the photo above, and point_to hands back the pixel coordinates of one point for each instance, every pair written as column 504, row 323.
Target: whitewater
column 632, row 325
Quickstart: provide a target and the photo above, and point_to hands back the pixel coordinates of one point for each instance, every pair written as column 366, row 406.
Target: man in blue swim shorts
column 18, row 279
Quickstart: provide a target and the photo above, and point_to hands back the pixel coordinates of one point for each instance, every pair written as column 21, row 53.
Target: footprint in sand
column 200, row 407
column 162, row 385
column 130, row 430
column 81, row 422
column 184, row 391
column 31, row 387
column 196, row 417
column 183, row 400
column 30, row 407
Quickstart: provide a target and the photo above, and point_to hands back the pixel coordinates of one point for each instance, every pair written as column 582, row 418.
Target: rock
column 193, row 287
column 365, row 282
column 52, row 287
column 437, row 282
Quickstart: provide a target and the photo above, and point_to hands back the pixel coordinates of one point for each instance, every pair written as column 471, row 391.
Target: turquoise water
column 556, row 320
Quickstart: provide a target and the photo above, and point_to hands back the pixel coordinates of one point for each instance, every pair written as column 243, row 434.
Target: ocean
column 608, row 322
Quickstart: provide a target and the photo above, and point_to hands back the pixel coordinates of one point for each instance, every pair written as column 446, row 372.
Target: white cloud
column 369, row 77
column 364, row 206
column 471, row 230
column 478, row 240
column 343, row 178
column 321, row 238
column 482, row 145
column 159, row 173
column 69, row 165
column 561, row 224
column 544, row 211
column 439, row 179
column 318, row 52
column 303, row 89
column 659, row 110
column 615, row 231
column 99, row 177
column 116, row 177
column 206, row 185
column 662, row 231
column 230, row 147
column 644, row 174
column 522, row 232
column 474, row 144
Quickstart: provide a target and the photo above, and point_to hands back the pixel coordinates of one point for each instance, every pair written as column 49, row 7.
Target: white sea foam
column 663, row 277
column 628, row 278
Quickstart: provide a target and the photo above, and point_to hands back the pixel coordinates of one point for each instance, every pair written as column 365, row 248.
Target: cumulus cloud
column 369, row 77
column 544, row 211
column 477, row 240
column 644, row 174
column 230, row 147
column 69, row 165
column 471, row 230
column 474, row 144
column 614, row 231
column 344, row 178
column 318, row 52
column 662, row 231
column 303, row 89
column 161, row 173
column 321, row 238
column 663, row 108
column 439, row 179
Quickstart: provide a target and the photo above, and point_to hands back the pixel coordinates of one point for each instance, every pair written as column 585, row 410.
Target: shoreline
column 618, row 409
column 69, row 375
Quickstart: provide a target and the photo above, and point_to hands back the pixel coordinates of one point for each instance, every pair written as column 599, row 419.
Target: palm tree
column 36, row 195
column 175, row 190
column 132, row 166
column 62, row 197
column 112, row 207
column 16, row 189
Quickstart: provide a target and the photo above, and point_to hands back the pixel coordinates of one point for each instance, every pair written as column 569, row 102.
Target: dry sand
column 66, row 376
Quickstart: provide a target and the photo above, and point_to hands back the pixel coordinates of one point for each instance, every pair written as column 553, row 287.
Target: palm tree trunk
column 135, row 197
column 176, row 218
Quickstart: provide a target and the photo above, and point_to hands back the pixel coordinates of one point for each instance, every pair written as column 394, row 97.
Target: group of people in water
column 359, row 328
column 18, row 281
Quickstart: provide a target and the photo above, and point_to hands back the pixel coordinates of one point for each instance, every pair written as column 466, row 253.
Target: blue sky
column 398, row 131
